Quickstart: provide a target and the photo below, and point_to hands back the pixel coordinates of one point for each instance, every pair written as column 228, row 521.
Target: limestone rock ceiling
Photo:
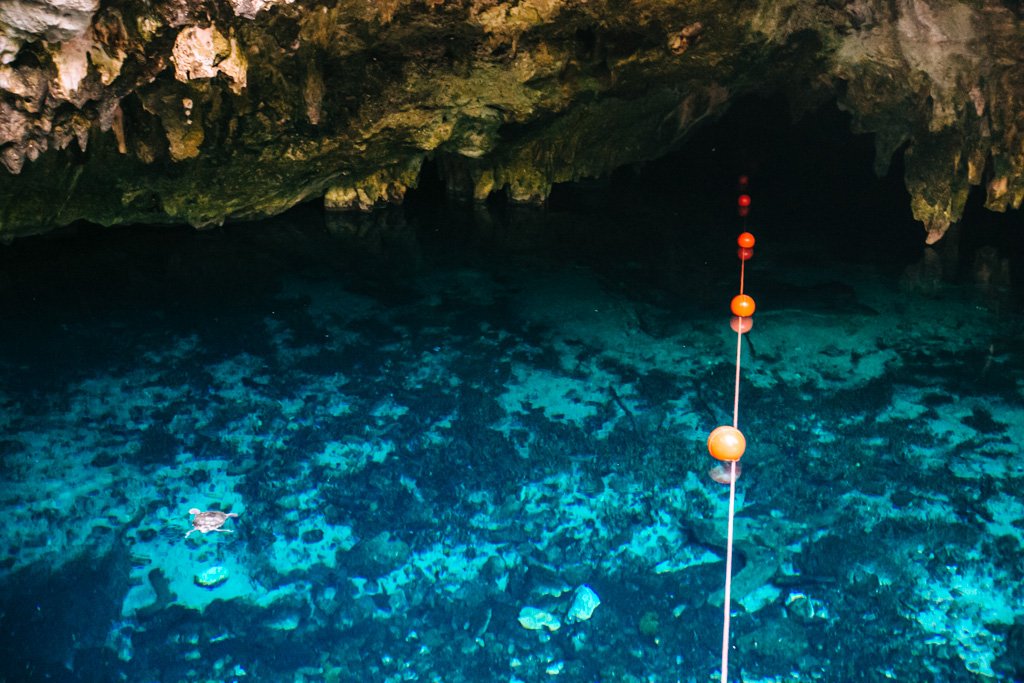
column 201, row 110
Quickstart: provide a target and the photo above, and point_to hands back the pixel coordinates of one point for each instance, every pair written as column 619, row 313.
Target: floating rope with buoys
column 727, row 443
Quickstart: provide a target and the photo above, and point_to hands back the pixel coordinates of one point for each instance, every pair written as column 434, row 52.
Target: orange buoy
column 745, row 240
column 741, row 325
column 742, row 306
column 726, row 443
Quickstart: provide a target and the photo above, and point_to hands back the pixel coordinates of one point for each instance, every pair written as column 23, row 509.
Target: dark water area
column 469, row 444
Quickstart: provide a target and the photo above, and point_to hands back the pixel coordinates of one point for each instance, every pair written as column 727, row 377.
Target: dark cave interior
column 811, row 179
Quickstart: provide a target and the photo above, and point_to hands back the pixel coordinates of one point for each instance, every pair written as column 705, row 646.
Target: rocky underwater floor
column 472, row 448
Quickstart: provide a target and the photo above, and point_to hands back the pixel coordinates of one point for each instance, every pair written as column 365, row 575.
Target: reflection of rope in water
column 727, row 443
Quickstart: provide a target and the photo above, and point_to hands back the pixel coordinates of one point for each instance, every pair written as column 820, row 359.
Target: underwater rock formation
column 202, row 110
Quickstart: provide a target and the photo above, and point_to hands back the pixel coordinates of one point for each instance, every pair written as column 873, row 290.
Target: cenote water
column 470, row 444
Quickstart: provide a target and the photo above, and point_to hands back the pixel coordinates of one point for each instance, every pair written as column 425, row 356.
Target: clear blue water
column 430, row 422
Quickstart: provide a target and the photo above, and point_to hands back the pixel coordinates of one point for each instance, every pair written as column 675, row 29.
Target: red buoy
column 744, row 200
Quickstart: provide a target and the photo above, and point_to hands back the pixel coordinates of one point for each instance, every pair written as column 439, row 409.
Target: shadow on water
column 54, row 625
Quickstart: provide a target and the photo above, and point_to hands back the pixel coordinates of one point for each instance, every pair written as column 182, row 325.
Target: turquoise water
column 470, row 446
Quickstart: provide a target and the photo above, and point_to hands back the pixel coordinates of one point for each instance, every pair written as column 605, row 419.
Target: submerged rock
column 535, row 619
column 584, row 602
column 212, row 577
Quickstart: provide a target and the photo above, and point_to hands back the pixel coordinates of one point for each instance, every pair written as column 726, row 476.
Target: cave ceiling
column 199, row 111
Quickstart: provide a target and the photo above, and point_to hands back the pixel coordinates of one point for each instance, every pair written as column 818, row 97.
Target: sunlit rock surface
column 198, row 111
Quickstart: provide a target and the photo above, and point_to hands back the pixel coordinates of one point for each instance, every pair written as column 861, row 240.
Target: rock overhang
column 198, row 111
